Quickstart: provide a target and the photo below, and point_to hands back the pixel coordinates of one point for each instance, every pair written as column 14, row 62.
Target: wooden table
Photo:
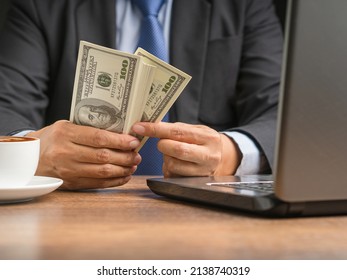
column 130, row 222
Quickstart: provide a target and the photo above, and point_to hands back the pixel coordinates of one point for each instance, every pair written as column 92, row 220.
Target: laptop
column 310, row 173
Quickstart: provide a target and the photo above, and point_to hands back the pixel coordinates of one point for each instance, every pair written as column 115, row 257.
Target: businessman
column 223, row 123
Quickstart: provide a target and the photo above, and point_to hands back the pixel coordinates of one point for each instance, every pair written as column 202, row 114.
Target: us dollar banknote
column 110, row 89
column 167, row 85
column 115, row 89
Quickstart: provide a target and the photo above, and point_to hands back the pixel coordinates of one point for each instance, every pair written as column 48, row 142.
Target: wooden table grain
column 131, row 222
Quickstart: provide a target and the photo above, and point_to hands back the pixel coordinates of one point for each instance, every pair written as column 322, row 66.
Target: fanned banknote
column 115, row 89
column 111, row 88
column 168, row 84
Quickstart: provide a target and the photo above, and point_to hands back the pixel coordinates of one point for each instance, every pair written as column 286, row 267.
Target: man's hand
column 86, row 157
column 192, row 150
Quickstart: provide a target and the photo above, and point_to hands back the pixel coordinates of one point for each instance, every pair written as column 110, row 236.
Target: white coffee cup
column 19, row 157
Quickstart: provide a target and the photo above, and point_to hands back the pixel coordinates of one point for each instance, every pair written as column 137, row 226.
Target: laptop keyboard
column 262, row 186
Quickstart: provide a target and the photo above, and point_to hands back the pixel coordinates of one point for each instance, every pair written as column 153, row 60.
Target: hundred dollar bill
column 168, row 84
column 111, row 88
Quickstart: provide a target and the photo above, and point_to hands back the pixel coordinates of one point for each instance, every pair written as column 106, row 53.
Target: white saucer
column 38, row 186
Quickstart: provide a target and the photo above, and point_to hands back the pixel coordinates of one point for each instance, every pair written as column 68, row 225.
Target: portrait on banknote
column 98, row 113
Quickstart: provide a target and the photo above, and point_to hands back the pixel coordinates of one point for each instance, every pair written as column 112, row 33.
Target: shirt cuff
column 22, row 133
column 251, row 155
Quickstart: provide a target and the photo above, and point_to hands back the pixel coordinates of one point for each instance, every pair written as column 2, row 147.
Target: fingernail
column 137, row 159
column 133, row 169
column 134, row 144
column 139, row 129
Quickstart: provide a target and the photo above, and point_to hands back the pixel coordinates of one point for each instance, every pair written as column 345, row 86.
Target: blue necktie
column 152, row 40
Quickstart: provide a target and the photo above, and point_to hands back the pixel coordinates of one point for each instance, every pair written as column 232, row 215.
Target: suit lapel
column 96, row 22
column 188, row 47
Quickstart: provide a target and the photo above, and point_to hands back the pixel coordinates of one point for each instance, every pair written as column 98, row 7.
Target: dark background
column 281, row 9
column 3, row 10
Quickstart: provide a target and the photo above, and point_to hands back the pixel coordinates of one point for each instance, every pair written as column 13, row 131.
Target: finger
column 98, row 171
column 181, row 132
column 95, row 137
column 103, row 156
column 186, row 152
column 173, row 167
column 103, row 171
column 92, row 183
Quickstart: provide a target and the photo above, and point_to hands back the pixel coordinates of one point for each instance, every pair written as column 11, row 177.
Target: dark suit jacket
column 231, row 48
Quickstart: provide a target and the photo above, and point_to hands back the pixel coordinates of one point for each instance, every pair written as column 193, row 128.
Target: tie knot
column 149, row 7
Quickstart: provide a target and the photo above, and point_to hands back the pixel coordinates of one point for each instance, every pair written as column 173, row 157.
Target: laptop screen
column 311, row 150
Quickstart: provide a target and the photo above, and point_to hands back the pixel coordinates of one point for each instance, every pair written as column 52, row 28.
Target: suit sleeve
column 24, row 70
column 259, row 77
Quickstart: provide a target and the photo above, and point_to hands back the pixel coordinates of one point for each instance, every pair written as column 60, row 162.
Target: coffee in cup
column 19, row 157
